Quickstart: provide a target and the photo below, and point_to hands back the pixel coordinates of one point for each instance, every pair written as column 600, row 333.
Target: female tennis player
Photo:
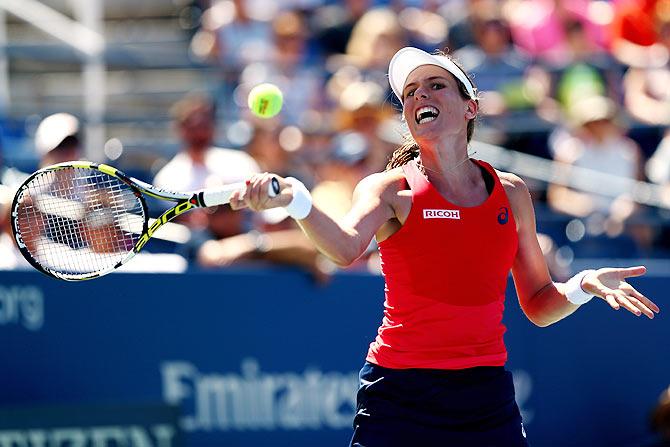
column 449, row 229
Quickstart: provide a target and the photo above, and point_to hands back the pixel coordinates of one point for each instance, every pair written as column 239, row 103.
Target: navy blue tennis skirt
column 472, row 407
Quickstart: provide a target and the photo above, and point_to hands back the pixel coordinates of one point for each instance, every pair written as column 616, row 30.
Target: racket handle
column 221, row 196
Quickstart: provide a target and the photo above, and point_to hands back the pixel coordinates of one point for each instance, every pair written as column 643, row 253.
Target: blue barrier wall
column 267, row 358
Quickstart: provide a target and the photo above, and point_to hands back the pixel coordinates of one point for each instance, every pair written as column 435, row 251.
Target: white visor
column 408, row 59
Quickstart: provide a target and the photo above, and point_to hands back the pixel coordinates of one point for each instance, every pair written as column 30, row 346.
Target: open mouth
column 426, row 114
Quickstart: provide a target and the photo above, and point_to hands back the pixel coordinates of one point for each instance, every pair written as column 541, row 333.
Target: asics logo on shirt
column 503, row 215
column 441, row 214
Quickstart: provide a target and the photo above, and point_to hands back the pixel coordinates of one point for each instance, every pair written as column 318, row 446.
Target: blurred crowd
column 582, row 82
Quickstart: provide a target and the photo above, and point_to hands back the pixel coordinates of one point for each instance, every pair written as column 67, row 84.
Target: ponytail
column 404, row 154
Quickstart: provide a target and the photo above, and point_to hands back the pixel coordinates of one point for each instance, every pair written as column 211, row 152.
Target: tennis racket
column 81, row 220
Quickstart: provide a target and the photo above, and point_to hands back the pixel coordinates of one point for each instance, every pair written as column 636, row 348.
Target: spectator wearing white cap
column 57, row 139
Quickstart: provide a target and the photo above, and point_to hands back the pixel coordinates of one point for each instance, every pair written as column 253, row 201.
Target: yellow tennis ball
column 265, row 100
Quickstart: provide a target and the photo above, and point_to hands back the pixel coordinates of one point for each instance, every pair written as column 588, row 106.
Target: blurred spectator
column 543, row 28
column 658, row 166
column 495, row 64
column 199, row 164
column 271, row 147
column 338, row 179
column 232, row 35
column 586, row 68
column 581, row 67
column 292, row 38
column 362, row 108
column 198, row 159
column 374, row 40
column 10, row 257
column 636, row 32
column 284, row 246
column 658, row 171
column 291, row 65
column 645, row 227
column 10, row 176
column 341, row 173
column 425, row 27
column 359, row 86
column 57, row 139
column 461, row 28
column 317, row 133
column 333, row 24
column 647, row 95
column 595, row 141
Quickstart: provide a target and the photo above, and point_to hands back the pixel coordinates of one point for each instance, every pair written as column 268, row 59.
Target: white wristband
column 301, row 204
column 573, row 289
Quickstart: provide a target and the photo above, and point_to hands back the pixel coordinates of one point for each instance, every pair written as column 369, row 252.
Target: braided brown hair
column 409, row 150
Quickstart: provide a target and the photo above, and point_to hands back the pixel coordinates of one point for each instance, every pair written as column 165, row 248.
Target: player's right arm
column 343, row 241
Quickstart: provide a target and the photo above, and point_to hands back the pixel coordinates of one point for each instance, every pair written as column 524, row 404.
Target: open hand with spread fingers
column 610, row 284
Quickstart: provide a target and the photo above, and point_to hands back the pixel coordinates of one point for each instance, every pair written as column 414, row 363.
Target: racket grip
column 221, row 196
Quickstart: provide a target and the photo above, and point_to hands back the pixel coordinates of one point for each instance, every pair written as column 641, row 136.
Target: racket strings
column 79, row 220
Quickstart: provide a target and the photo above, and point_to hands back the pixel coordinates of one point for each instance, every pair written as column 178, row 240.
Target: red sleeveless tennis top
column 446, row 273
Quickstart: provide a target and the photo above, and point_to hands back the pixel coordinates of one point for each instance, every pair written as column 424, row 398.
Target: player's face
column 432, row 103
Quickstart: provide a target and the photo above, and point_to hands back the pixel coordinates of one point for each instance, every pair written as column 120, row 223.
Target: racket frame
column 186, row 201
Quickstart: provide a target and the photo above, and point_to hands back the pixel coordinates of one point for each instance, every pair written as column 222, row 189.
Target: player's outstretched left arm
column 545, row 302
